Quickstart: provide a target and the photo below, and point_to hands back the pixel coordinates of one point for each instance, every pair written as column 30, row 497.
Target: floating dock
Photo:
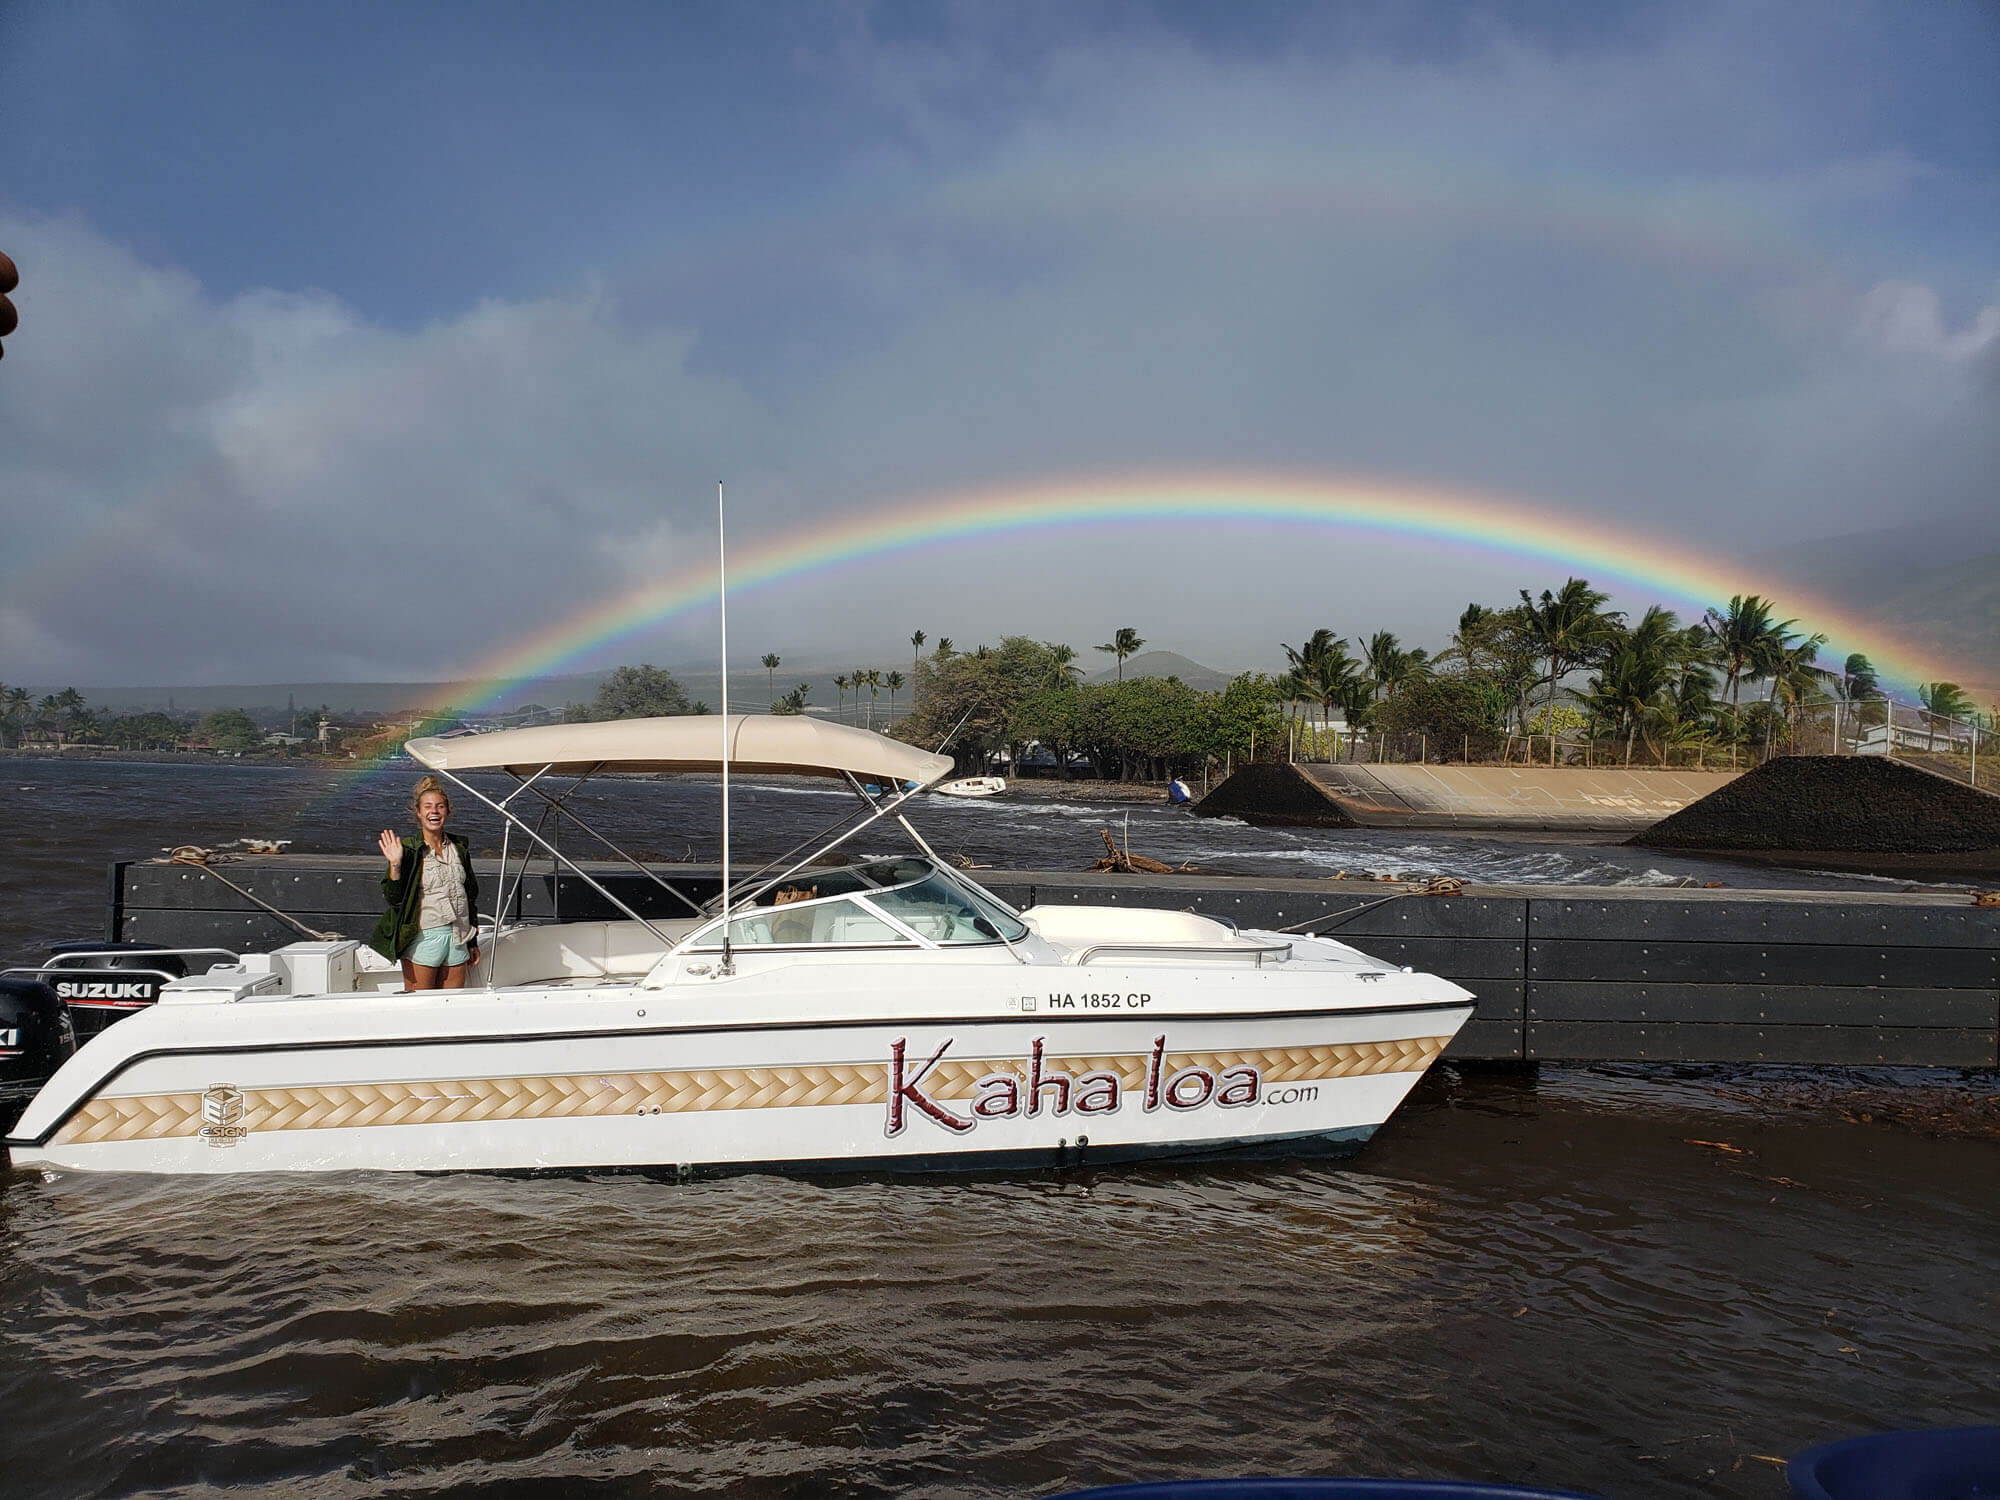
column 1562, row 973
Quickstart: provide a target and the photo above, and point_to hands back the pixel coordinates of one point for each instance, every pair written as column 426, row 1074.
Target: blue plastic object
column 1947, row 1463
column 1318, row 1489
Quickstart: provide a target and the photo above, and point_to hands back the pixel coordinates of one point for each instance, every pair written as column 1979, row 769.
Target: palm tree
column 943, row 651
column 1785, row 660
column 893, row 682
column 1357, row 705
column 1125, row 643
column 69, row 709
column 1571, row 628
column 840, row 711
column 1634, row 685
column 1945, row 701
column 1062, row 669
column 872, row 680
column 916, row 646
column 771, row 666
column 1321, row 671
column 1473, row 637
column 1331, row 679
column 1858, row 680
column 1743, row 634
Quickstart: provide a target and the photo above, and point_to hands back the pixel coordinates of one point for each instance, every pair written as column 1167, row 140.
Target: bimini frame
column 754, row 744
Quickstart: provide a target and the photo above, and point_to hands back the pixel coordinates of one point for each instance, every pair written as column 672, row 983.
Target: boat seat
column 581, row 950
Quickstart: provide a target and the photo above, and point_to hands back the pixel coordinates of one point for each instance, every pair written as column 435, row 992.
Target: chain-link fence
column 1965, row 750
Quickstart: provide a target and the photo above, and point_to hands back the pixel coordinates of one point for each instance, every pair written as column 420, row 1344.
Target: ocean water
column 1637, row 1282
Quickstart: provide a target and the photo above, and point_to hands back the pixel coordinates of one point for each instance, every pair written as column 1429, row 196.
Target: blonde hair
column 423, row 789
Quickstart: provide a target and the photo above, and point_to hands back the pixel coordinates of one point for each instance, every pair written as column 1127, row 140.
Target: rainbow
column 1675, row 572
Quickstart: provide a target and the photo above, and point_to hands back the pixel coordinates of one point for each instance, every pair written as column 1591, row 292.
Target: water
column 1565, row 1281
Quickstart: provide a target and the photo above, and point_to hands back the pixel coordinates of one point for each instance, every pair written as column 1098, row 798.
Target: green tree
column 971, row 698
column 916, row 649
column 1943, row 702
column 1570, row 628
column 1745, row 637
column 1858, row 679
column 840, row 685
column 1322, row 672
column 1063, row 671
column 1472, row 643
column 146, row 731
column 1125, row 643
column 771, row 665
column 641, row 692
column 230, row 730
column 1391, row 666
column 1459, row 713
column 1634, row 681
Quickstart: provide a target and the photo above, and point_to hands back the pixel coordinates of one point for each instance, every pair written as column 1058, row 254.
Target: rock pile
column 1835, row 803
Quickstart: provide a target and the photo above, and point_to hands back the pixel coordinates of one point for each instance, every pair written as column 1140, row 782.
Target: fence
column 1966, row 751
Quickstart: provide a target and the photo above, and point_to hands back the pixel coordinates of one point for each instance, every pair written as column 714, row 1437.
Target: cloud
column 1900, row 317
column 1553, row 272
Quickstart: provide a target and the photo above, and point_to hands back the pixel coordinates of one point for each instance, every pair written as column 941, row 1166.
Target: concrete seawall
column 1517, row 798
column 1563, row 973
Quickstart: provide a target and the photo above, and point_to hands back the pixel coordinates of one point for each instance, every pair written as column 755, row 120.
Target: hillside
column 1163, row 664
column 1935, row 582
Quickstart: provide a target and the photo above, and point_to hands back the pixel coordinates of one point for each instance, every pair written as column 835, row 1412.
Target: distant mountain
column 1167, row 664
column 1934, row 582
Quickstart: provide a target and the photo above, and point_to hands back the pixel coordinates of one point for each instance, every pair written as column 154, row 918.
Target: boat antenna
column 952, row 733
column 722, row 604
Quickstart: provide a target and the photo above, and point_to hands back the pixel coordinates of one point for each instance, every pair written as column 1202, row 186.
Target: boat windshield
column 847, row 906
column 946, row 912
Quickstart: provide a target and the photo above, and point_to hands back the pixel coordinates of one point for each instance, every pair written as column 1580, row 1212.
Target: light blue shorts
column 435, row 947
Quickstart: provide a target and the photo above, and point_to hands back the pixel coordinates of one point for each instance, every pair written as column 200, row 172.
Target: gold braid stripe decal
column 334, row 1106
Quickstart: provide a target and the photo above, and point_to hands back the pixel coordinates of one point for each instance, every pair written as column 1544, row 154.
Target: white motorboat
column 972, row 786
column 884, row 1012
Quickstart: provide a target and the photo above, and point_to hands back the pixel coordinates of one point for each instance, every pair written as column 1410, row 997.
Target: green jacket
column 405, row 894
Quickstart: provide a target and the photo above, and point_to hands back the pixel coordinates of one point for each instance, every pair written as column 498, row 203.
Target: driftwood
column 1126, row 863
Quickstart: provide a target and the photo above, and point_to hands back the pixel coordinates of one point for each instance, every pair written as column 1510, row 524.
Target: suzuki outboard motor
column 105, row 982
column 35, row 1040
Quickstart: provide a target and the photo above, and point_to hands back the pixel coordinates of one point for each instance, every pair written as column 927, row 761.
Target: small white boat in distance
column 888, row 1013
column 972, row 786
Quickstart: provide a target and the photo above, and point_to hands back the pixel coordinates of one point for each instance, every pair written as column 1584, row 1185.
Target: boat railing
column 78, row 963
column 1255, row 953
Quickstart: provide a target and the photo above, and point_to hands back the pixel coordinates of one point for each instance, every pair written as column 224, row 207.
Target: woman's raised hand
column 392, row 850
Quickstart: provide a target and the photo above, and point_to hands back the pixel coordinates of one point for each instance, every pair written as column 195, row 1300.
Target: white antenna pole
column 722, row 602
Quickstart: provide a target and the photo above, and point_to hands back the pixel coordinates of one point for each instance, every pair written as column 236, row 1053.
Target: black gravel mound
column 1846, row 803
column 1267, row 795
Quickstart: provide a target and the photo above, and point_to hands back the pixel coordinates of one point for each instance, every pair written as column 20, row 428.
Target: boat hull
column 914, row 1095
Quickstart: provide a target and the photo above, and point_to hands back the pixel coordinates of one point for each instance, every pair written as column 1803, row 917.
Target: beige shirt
column 443, row 903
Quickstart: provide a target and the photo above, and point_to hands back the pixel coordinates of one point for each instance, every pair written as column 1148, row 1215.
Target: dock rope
column 207, row 859
column 1437, row 885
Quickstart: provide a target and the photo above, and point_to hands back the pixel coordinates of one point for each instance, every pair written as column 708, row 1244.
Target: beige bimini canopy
column 759, row 744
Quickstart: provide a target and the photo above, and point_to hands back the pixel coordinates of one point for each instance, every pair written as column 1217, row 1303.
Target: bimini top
column 759, row 744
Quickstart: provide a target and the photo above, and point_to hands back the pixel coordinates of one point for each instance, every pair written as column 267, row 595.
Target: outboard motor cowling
column 35, row 1040
column 103, row 982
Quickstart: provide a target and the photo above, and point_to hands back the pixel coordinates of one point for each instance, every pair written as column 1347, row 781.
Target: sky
column 376, row 341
